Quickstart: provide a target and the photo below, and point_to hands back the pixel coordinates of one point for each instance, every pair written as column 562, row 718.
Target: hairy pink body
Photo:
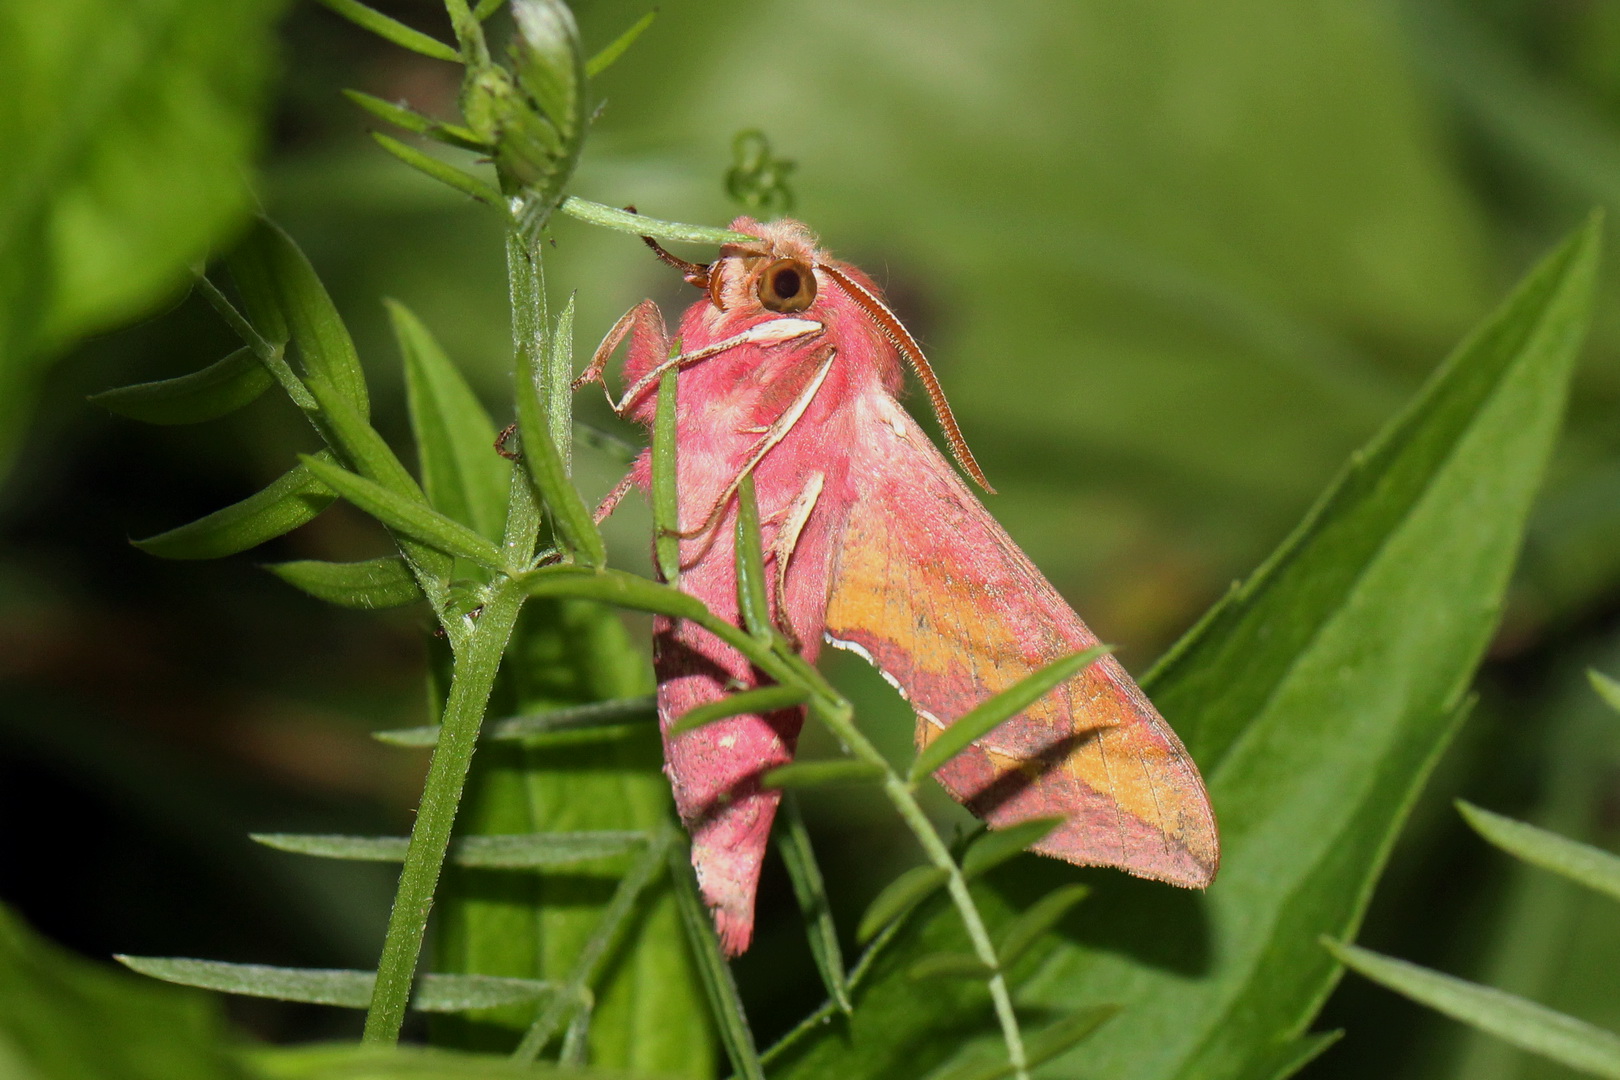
column 886, row 552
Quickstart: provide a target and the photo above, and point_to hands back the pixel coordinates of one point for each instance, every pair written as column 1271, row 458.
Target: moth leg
column 778, row 431
column 794, row 518
column 610, row 501
column 771, row 332
column 644, row 324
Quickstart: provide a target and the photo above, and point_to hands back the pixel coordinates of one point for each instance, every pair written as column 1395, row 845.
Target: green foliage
column 349, row 1062
column 346, row 989
column 66, row 1019
column 454, row 434
column 410, row 517
column 510, row 851
column 898, row 897
column 994, row 848
column 290, row 501
column 640, row 709
column 1509, row 1017
column 724, row 1003
column 629, row 221
column 810, row 890
column 1582, row 863
column 286, row 302
column 1542, row 1031
column 392, row 30
column 758, row 178
column 986, row 716
column 1317, row 698
column 761, row 699
column 127, row 130
column 371, row 584
column 663, row 470
column 217, row 390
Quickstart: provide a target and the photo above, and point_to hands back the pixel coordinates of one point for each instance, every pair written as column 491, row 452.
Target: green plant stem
column 472, row 677
column 839, row 718
column 777, row 660
column 526, row 287
column 575, row 995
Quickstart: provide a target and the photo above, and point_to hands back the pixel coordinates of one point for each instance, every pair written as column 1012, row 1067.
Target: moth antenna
column 896, row 332
column 694, row 273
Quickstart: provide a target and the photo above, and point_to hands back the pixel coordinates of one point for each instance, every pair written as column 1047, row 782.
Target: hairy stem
column 472, row 678
column 574, row 995
column 839, row 718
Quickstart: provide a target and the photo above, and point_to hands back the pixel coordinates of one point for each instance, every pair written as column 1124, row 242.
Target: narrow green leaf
column 287, row 503
column 370, row 585
column 411, row 120
column 950, row 966
column 724, row 1003
column 595, row 951
column 286, row 301
column 636, row 710
column 513, row 852
column 1036, row 920
column 486, row 8
column 793, row 841
column 272, row 355
column 408, row 516
column 1581, row 863
column 614, row 587
column 544, row 462
column 666, row 504
column 997, row 846
column 1608, row 689
column 442, row 171
column 1045, row 1045
column 327, row 986
column 753, row 599
column 374, row 461
column 1315, row 700
column 898, row 897
column 217, row 390
column 988, row 715
column 1291, row 1055
column 1525, row 1024
column 640, row 225
column 393, row 30
column 558, row 372
column 763, row 699
column 469, row 33
column 802, row 774
column 356, row 1061
column 360, row 444
column 604, row 59
column 462, row 475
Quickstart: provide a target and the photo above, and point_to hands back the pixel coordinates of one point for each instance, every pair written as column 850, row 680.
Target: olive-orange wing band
column 930, row 589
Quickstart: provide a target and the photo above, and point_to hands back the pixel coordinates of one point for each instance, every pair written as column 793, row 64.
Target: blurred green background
column 1172, row 260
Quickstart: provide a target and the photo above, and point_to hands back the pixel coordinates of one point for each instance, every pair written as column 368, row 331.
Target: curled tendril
column 758, row 179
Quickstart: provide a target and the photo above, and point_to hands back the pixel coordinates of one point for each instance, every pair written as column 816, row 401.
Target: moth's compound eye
column 787, row 285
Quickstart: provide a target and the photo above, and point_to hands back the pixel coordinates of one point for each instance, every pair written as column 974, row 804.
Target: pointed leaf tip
column 1582, row 863
column 997, row 846
column 988, row 715
column 1515, row 1020
column 899, row 897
